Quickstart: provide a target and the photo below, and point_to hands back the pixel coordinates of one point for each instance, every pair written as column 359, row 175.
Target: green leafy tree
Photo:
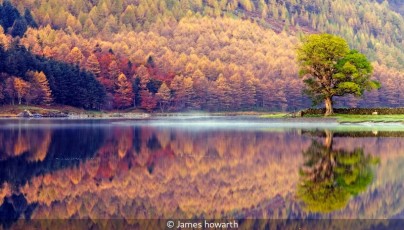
column 330, row 69
column 330, row 176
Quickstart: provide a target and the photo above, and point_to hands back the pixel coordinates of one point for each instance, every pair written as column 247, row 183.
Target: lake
column 138, row 174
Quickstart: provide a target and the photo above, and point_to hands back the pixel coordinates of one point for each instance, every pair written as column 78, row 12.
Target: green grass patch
column 348, row 118
column 274, row 115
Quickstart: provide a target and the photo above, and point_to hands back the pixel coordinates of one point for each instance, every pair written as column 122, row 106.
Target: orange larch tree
column 75, row 56
column 123, row 97
column 21, row 88
column 93, row 65
column 164, row 96
column 41, row 85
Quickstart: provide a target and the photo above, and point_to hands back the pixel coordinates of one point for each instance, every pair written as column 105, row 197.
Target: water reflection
column 330, row 176
column 26, row 153
column 13, row 208
column 147, row 172
column 103, row 170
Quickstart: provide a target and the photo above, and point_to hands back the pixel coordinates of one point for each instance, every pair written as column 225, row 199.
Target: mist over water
column 254, row 123
column 199, row 122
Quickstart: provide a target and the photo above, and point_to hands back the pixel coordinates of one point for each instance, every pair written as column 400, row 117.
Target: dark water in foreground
column 82, row 173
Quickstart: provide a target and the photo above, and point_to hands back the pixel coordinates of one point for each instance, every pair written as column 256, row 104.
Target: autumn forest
column 187, row 55
column 127, row 114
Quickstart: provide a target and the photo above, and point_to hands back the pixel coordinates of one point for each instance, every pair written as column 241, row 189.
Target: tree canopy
column 11, row 18
column 330, row 69
column 37, row 80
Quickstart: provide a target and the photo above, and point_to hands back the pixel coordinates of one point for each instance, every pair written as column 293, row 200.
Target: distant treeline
column 69, row 85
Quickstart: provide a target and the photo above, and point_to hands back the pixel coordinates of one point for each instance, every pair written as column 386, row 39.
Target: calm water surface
column 199, row 168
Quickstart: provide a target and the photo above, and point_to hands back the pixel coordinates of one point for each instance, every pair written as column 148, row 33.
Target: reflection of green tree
column 330, row 177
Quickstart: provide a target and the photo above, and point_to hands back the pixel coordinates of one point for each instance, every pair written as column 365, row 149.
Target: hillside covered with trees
column 190, row 54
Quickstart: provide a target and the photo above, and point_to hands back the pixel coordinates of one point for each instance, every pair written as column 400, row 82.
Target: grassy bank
column 346, row 118
column 350, row 118
column 357, row 115
column 274, row 115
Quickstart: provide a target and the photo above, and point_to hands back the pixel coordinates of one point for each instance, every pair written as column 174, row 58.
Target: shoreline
column 64, row 112
column 235, row 118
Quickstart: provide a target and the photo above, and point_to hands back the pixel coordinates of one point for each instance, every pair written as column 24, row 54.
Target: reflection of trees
column 37, row 152
column 31, row 142
column 330, row 177
column 12, row 208
column 165, row 170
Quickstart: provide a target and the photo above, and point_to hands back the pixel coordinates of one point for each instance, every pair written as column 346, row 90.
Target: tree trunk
column 328, row 106
column 328, row 139
column 331, row 157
